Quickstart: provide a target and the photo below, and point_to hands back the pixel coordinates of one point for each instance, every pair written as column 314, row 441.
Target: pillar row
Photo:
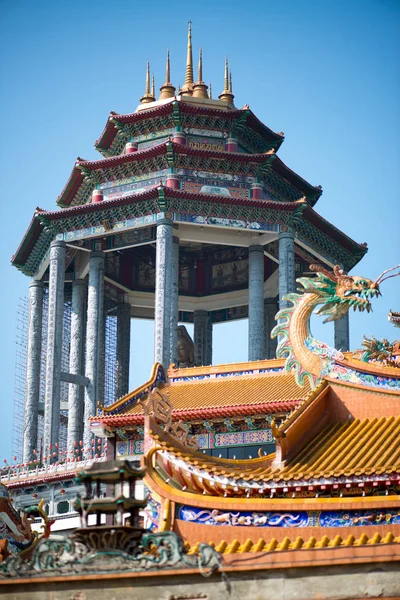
column 287, row 275
column 162, row 324
column 32, row 387
column 76, row 362
column 94, row 328
column 256, row 303
column 54, row 346
column 123, row 349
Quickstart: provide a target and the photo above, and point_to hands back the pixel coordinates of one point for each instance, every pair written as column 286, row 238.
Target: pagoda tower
column 189, row 216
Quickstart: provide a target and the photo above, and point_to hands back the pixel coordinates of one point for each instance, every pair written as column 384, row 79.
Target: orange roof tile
column 233, row 392
column 351, row 449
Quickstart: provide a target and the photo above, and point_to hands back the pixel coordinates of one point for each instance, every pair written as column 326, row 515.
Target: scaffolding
column 108, row 368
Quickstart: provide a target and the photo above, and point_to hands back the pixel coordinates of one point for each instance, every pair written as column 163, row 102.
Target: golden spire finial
column 167, row 89
column 148, row 97
column 167, row 69
column 188, row 85
column 200, row 88
column 153, row 88
column 230, row 82
column 226, row 80
column 226, row 95
column 200, row 67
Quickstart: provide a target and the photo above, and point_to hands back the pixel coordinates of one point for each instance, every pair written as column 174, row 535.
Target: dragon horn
column 382, row 278
column 320, row 269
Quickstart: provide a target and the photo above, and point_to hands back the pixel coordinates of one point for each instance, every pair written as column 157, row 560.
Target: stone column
column 287, row 275
column 162, row 317
column 200, row 321
column 342, row 334
column 93, row 339
column 174, row 316
column 32, row 387
column 76, row 358
column 270, row 310
column 256, row 303
column 209, row 351
column 54, row 347
column 123, row 349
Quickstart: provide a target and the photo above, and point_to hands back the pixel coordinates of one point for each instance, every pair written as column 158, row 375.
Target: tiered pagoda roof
column 192, row 114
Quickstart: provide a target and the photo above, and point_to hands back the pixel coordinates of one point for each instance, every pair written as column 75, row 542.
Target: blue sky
column 325, row 72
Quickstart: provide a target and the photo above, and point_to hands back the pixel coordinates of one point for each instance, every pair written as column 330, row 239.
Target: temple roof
column 268, row 390
column 87, row 174
column 46, row 224
column 120, row 128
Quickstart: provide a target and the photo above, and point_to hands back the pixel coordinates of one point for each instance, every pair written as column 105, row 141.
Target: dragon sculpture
column 335, row 293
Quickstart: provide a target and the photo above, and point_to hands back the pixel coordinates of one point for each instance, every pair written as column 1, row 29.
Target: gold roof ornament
column 226, row 95
column 148, row 96
column 167, row 89
column 200, row 88
column 187, row 87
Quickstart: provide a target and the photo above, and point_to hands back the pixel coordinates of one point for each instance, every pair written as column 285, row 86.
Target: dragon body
column 332, row 295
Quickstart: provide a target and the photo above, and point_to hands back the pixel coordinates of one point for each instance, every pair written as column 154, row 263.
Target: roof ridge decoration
column 335, row 293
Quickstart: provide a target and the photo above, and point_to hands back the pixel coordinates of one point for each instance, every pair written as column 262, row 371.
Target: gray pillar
column 256, row 303
column 162, row 315
column 209, row 342
column 101, row 379
column 270, row 310
column 200, row 321
column 123, row 349
column 173, row 357
column 76, row 362
column 54, row 346
column 93, row 339
column 342, row 334
column 32, row 387
column 287, row 275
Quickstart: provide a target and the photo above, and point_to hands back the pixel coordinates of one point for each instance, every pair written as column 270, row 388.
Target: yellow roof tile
column 233, row 391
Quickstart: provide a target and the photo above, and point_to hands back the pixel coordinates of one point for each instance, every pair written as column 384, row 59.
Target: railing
column 23, row 473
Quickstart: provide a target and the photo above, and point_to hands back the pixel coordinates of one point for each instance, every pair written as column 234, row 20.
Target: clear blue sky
column 325, row 72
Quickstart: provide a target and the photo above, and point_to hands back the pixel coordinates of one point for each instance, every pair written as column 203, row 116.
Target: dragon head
column 339, row 292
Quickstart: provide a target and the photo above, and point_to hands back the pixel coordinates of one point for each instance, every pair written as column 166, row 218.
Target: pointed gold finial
column 188, row 85
column 147, row 97
column 153, row 88
column 226, row 95
column 167, row 89
column 230, row 82
column 200, row 88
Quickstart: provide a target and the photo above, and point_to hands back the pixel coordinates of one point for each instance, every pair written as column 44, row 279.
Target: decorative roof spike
column 200, row 88
column 210, row 91
column 188, row 85
column 147, row 97
column 167, row 89
column 230, row 82
column 153, row 86
column 227, row 95
column 200, row 67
